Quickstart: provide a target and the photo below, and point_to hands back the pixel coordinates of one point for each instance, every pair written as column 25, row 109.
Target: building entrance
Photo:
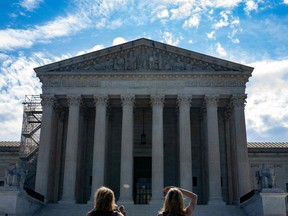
column 142, row 180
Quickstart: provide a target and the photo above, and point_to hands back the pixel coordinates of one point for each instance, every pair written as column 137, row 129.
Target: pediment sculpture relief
column 143, row 58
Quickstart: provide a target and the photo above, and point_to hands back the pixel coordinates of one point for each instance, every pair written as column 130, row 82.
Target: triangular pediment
column 143, row 55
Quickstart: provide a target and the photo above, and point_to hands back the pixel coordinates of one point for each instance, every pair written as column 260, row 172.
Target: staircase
column 136, row 210
column 30, row 136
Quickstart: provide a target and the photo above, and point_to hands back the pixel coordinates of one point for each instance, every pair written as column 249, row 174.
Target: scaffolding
column 31, row 126
column 30, row 137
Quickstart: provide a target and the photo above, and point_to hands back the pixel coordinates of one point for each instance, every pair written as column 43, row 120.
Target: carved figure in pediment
column 142, row 63
column 154, row 61
column 171, row 63
column 119, row 63
column 167, row 62
column 131, row 62
column 109, row 65
column 179, row 65
column 192, row 66
column 98, row 65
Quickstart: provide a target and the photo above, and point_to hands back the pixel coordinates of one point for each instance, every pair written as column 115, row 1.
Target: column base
column 216, row 201
column 90, row 201
column 156, row 201
column 125, row 201
column 67, row 201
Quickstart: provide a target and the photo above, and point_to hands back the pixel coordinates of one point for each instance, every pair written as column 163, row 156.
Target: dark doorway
column 142, row 180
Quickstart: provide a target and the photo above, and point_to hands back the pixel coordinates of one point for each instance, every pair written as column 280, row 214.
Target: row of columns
column 126, row 178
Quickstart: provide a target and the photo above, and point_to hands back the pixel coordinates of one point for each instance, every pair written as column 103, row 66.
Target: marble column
column 126, row 174
column 44, row 153
column 185, row 157
column 215, row 193
column 243, row 167
column 69, row 182
column 227, row 117
column 58, row 152
column 98, row 166
column 157, row 102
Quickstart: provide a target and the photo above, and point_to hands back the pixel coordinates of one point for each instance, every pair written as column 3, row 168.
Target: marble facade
column 190, row 106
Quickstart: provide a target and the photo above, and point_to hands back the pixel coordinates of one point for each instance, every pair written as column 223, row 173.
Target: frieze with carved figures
column 143, row 58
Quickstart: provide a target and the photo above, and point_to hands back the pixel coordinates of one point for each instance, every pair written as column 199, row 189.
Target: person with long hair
column 174, row 202
column 105, row 204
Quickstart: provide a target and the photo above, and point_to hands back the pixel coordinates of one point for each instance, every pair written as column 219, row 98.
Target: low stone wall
column 17, row 202
column 269, row 202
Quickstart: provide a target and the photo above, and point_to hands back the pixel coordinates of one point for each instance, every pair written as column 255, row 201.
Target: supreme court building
column 140, row 116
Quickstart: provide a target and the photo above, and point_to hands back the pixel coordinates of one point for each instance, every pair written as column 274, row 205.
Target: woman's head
column 105, row 199
column 174, row 201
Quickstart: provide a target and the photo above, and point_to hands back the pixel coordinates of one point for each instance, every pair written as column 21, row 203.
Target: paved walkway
column 135, row 210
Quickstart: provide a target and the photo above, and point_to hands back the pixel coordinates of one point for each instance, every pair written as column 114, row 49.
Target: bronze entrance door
column 142, row 180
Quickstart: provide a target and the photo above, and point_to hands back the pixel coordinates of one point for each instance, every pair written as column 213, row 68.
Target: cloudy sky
column 251, row 32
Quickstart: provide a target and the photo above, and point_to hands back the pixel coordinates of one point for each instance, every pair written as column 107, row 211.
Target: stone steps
column 135, row 210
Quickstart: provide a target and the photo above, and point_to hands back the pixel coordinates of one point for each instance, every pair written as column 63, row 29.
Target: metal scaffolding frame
column 30, row 137
column 31, row 126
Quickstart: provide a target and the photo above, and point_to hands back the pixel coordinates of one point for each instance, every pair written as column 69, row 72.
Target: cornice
column 145, row 80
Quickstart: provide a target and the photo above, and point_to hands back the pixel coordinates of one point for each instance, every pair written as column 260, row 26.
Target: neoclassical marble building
column 139, row 116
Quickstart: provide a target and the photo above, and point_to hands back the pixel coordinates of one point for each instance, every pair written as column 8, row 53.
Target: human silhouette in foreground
column 174, row 202
column 105, row 205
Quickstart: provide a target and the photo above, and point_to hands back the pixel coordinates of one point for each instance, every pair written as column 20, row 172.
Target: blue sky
column 251, row 32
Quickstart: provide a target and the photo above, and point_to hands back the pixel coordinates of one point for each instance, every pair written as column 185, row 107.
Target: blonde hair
column 174, row 202
column 104, row 199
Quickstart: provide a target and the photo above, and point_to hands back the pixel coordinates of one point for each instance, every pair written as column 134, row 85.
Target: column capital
column 238, row 100
column 100, row 99
column 157, row 99
column 83, row 109
column 59, row 110
column 74, row 100
column 184, row 100
column 127, row 100
column 227, row 114
column 211, row 100
column 47, row 99
column 228, row 111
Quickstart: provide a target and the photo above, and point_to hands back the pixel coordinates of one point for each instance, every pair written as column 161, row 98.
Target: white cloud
column 62, row 26
column 115, row 24
column 95, row 48
column 11, row 119
column 285, row 1
column 101, row 23
column 190, row 41
column 192, row 22
column 235, row 22
column 226, row 3
column 220, row 50
column 182, row 12
column 161, row 12
column 250, row 5
column 30, row 5
column 104, row 8
column 211, row 35
column 231, row 36
column 223, row 21
column 86, row 14
column 205, row 3
column 17, row 79
column 118, row 40
column 267, row 96
column 169, row 38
